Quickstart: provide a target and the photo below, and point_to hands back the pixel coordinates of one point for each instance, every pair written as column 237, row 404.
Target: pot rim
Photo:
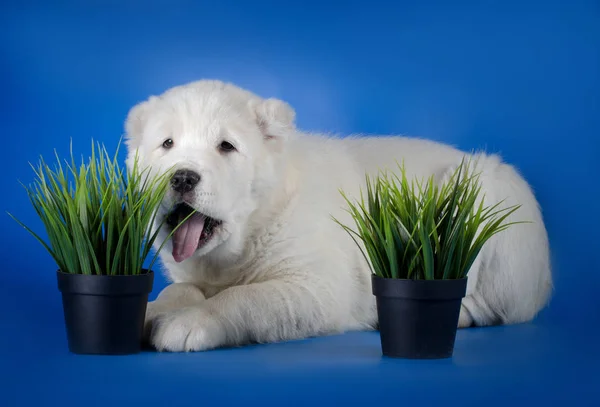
column 117, row 285
column 439, row 289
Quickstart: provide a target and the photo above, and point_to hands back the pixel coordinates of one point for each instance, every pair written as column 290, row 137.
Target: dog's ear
column 136, row 122
column 275, row 118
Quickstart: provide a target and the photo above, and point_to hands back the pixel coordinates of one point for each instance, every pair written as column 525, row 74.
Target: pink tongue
column 187, row 236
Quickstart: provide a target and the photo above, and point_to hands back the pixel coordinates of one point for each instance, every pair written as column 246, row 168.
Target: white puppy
column 263, row 261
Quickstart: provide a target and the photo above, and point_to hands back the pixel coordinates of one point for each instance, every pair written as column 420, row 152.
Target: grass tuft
column 420, row 230
column 98, row 216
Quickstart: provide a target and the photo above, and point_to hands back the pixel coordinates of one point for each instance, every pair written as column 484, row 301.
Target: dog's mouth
column 193, row 234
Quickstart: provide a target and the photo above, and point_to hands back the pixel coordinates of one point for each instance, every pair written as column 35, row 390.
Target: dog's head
column 227, row 148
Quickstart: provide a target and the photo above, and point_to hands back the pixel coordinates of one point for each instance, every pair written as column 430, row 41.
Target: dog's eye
column 226, row 146
column 168, row 143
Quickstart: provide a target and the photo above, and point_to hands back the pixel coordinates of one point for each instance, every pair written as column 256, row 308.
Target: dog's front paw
column 173, row 297
column 186, row 330
column 154, row 309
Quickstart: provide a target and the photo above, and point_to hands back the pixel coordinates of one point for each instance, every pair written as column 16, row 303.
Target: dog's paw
column 154, row 309
column 173, row 297
column 187, row 330
column 464, row 320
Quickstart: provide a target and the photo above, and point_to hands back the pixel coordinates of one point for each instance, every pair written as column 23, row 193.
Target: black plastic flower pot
column 418, row 319
column 104, row 315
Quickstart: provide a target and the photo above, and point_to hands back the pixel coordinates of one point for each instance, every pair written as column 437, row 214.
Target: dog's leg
column 172, row 297
column 264, row 312
column 510, row 280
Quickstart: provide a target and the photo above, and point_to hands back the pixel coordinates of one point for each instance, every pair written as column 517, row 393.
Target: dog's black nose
column 184, row 181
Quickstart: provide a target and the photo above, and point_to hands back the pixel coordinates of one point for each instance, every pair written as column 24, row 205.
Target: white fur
column 280, row 268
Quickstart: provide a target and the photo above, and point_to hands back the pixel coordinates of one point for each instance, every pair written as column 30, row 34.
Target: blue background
column 518, row 78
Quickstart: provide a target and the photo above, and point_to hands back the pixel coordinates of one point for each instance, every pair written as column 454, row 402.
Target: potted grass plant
column 100, row 221
column 420, row 240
